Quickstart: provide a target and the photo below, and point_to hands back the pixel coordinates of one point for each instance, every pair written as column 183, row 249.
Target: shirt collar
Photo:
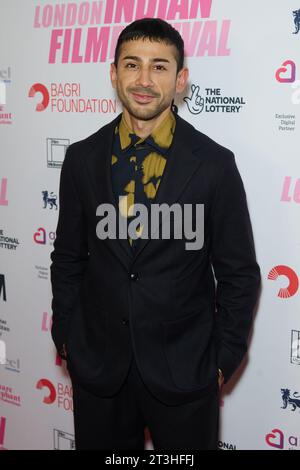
column 160, row 138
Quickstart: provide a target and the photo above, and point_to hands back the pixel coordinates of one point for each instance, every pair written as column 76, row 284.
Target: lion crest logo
column 49, row 199
column 288, row 400
column 296, row 15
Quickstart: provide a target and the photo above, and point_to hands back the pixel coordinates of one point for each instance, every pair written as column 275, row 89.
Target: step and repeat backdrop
column 244, row 92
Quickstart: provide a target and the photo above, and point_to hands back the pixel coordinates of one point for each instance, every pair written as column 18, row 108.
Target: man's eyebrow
column 138, row 59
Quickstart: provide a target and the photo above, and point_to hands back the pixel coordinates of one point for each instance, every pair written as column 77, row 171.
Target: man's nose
column 144, row 77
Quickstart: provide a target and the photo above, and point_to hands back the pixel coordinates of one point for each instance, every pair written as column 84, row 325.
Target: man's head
column 149, row 60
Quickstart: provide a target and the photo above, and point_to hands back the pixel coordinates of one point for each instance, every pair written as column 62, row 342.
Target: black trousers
column 118, row 422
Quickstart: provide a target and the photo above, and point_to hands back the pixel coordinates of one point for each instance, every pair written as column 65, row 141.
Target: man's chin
column 138, row 112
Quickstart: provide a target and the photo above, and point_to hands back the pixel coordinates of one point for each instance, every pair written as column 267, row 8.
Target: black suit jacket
column 184, row 314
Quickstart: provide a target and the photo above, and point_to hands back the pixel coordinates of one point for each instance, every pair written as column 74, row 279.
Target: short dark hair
column 154, row 29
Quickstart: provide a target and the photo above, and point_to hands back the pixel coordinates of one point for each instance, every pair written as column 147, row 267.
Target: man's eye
column 158, row 67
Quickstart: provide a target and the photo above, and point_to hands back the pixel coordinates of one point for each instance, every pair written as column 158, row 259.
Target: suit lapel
column 182, row 162
column 99, row 169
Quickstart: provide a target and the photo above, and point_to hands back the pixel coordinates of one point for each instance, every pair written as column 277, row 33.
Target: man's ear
column 113, row 74
column 181, row 80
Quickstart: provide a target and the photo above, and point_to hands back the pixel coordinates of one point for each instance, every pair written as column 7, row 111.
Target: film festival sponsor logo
column 41, row 237
column 2, row 93
column 286, row 122
column 67, row 98
column 87, row 32
column 296, row 17
column 56, row 152
column 2, row 353
column 63, row 440
column 291, row 190
column 286, row 74
column 60, row 395
column 212, row 100
column 8, row 242
column 4, row 328
column 5, row 81
column 293, row 281
column 2, row 432
column 5, row 75
column 295, row 347
column 3, row 192
column 46, row 322
column 277, row 439
column 2, row 288
column 226, row 446
column 42, row 272
column 291, row 402
column 181, row 225
column 8, row 395
column 49, row 200
column 12, row 365
column 46, row 328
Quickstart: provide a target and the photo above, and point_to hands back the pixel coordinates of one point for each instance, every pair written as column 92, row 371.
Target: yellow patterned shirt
column 138, row 164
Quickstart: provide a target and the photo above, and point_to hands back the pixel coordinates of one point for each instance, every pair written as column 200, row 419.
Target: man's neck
column 144, row 128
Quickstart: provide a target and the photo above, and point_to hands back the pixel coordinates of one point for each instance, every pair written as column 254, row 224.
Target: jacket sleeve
column 236, row 270
column 70, row 255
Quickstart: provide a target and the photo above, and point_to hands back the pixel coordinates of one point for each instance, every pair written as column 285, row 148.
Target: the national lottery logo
column 60, row 395
column 212, row 100
column 226, row 446
column 293, row 281
column 290, row 401
column 8, row 241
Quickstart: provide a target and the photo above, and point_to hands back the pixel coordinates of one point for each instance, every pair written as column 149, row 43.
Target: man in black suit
column 150, row 328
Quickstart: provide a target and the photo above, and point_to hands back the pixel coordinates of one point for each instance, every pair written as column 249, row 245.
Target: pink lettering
column 3, row 190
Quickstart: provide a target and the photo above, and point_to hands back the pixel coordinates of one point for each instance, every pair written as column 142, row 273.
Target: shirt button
column 134, row 276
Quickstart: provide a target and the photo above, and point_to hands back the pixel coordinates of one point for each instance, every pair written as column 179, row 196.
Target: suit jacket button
column 134, row 276
column 125, row 321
